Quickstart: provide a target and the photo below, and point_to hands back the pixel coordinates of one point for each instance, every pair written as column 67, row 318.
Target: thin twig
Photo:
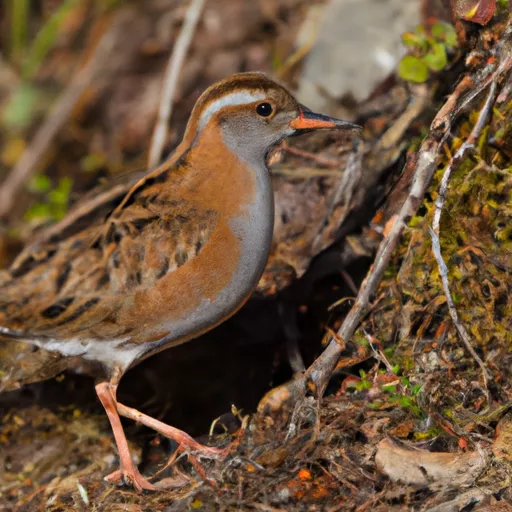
column 172, row 74
column 468, row 144
column 378, row 353
column 344, row 192
column 443, row 272
column 51, row 126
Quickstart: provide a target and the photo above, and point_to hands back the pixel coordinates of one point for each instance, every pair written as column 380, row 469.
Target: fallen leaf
column 502, row 447
column 422, row 468
column 476, row 11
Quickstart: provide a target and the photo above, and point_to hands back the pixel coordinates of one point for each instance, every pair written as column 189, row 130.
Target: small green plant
column 364, row 383
column 23, row 106
column 405, row 395
column 27, row 54
column 428, row 52
column 55, row 203
column 503, row 5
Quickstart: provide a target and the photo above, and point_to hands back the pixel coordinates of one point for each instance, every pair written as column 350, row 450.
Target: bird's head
column 254, row 113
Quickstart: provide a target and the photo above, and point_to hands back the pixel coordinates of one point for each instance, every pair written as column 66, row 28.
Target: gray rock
column 358, row 45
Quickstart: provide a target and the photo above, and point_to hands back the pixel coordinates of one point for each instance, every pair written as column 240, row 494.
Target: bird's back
column 156, row 266
column 79, row 276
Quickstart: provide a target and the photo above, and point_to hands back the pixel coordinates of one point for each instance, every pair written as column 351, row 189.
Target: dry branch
column 468, row 145
column 172, row 74
column 318, row 374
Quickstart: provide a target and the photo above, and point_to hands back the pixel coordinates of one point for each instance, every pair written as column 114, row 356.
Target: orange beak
column 308, row 120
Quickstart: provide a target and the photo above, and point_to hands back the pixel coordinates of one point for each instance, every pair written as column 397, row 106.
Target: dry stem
column 319, row 372
column 172, row 74
column 468, row 144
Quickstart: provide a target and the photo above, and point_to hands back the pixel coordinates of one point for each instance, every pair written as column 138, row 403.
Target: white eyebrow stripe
column 234, row 98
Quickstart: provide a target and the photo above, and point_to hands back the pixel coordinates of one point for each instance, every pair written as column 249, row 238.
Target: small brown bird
column 177, row 255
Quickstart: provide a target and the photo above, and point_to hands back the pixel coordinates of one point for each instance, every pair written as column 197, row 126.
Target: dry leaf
column 422, row 468
column 476, row 11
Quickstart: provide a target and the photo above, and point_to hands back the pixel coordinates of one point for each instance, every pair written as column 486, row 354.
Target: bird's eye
column 264, row 109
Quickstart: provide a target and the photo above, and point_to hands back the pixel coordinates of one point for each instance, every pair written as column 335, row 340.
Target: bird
column 176, row 255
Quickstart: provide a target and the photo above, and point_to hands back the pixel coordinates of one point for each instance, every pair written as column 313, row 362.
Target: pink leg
column 107, row 394
column 182, row 438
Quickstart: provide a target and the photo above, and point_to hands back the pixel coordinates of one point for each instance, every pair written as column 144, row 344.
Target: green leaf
column 436, row 58
column 420, row 30
column 366, row 384
column 389, row 388
column 18, row 10
column 60, row 195
column 39, row 183
column 92, row 162
column 443, row 31
column 413, row 40
column 416, row 389
column 413, row 69
column 39, row 211
column 56, row 205
column 45, row 39
column 18, row 113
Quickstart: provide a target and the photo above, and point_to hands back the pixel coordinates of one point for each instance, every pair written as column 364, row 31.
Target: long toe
column 131, row 477
column 186, row 442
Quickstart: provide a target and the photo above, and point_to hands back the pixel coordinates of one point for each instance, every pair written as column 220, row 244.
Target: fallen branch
column 318, row 374
column 172, row 74
column 322, row 368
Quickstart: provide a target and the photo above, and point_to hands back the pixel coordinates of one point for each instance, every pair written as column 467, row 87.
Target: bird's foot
column 131, row 477
column 186, row 442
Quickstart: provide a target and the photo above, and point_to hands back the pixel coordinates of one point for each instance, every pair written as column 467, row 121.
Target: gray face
column 252, row 136
column 247, row 129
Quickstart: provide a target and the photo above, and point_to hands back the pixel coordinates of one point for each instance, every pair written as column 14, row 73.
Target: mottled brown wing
column 76, row 280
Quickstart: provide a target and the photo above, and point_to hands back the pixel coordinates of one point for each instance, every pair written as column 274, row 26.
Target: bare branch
column 172, row 74
column 468, row 144
column 443, row 272
column 318, row 374
column 322, row 368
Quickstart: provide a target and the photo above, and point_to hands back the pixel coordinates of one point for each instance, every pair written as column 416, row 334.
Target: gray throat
column 255, row 231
